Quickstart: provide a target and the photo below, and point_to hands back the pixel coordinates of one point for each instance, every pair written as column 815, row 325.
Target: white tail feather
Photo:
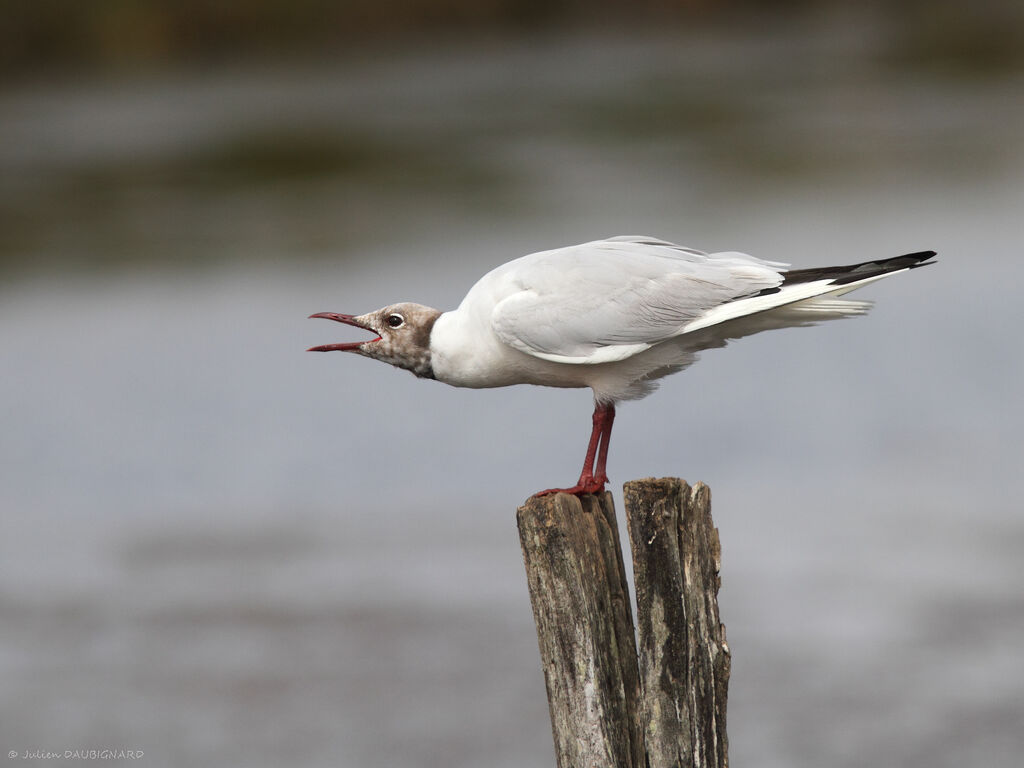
column 788, row 295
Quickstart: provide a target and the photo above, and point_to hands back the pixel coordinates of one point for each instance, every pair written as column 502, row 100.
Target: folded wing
column 610, row 299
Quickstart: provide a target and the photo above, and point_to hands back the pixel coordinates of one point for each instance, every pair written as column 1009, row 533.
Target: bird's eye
column 395, row 320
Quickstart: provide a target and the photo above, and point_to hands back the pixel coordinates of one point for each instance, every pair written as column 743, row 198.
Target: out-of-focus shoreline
column 61, row 37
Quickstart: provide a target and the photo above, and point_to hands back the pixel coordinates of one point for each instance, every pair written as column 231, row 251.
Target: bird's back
column 609, row 299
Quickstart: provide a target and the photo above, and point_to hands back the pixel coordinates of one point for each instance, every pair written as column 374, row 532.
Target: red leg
column 591, row 482
column 600, row 475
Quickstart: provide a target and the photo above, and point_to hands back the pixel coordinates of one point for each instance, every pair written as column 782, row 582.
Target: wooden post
column 684, row 658
column 605, row 709
column 581, row 606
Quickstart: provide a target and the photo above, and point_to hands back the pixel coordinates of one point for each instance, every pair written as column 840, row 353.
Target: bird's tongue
column 345, row 346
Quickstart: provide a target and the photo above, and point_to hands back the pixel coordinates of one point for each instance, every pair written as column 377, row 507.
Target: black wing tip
column 921, row 258
column 906, row 261
column 857, row 272
column 854, row 273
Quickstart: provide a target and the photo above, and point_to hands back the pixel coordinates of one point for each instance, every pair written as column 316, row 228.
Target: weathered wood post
column 684, row 658
column 581, row 606
column 608, row 706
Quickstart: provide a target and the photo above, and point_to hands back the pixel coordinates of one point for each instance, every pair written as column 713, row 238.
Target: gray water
column 220, row 550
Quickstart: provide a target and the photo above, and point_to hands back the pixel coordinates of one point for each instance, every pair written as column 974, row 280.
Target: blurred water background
column 221, row 550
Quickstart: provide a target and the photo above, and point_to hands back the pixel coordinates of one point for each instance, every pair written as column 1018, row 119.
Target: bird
column 613, row 315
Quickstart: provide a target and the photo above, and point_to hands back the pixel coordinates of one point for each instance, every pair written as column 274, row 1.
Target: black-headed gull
column 614, row 315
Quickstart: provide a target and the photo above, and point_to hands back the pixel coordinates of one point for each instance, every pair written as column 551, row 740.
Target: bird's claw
column 586, row 484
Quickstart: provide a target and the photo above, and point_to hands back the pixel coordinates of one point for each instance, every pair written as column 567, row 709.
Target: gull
column 614, row 315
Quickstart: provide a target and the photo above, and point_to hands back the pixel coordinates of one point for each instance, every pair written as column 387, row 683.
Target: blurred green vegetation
column 46, row 35
column 263, row 190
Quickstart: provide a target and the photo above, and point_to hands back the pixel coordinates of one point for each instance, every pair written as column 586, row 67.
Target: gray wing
column 610, row 299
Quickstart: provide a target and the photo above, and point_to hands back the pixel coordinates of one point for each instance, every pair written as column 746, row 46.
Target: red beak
column 347, row 320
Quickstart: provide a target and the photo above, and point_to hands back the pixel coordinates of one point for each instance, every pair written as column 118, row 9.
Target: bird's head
column 403, row 336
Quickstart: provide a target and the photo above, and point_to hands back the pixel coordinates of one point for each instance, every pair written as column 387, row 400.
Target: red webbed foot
column 584, row 485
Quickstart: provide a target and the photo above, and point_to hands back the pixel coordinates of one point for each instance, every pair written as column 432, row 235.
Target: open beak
column 348, row 346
